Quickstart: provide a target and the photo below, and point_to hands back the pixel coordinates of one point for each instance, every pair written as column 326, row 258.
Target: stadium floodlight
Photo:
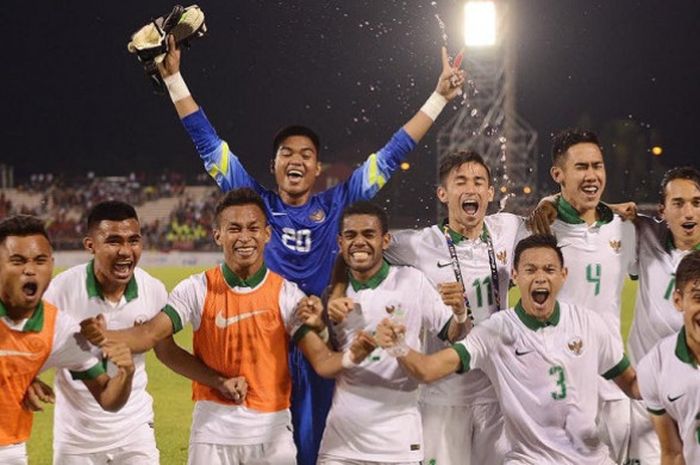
column 479, row 23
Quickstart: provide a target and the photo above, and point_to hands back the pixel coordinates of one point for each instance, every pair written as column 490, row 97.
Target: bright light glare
column 656, row 150
column 479, row 24
column 405, row 166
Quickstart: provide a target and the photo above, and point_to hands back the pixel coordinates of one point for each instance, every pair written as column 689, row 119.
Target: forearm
column 116, row 392
column 672, row 458
column 185, row 364
column 180, row 95
column 456, row 330
column 139, row 339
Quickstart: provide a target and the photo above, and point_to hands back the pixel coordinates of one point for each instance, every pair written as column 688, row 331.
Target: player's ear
column 217, row 235
column 661, row 210
column 386, row 240
column 492, row 192
column 441, row 194
column 319, row 167
column 272, row 166
column 88, row 244
column 677, row 298
column 565, row 272
column 556, row 173
column 268, row 233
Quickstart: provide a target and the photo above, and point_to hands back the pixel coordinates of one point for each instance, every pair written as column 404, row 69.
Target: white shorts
column 140, row 449
column 613, row 423
column 14, row 454
column 461, row 435
column 644, row 443
column 281, row 451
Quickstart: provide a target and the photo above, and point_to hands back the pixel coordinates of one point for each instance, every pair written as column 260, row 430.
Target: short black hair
column 567, row 138
column 110, row 210
column 295, row 130
column 456, row 159
column 365, row 208
column 22, row 226
column 683, row 172
column 241, row 196
column 536, row 241
column 688, row 270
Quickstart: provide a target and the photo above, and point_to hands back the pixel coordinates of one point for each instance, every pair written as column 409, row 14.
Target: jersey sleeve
column 401, row 249
column 186, row 301
column 647, row 371
column 370, row 176
column 473, row 350
column 71, row 351
column 219, row 161
column 436, row 315
column 612, row 360
column 290, row 295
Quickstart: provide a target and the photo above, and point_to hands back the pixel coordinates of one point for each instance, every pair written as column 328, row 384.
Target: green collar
column 94, row 289
column 568, row 214
column 671, row 245
column 532, row 322
column 683, row 351
column 372, row 282
column 457, row 237
column 35, row 323
column 233, row 280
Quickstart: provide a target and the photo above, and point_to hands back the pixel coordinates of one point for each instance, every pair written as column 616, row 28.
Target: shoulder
column 193, row 282
column 404, row 237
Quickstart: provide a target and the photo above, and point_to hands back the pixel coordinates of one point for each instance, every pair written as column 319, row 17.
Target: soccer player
column 110, row 284
column 374, row 417
column 542, row 357
column 35, row 335
column 461, row 413
column 303, row 246
column 662, row 245
column 243, row 316
column 600, row 250
column 669, row 379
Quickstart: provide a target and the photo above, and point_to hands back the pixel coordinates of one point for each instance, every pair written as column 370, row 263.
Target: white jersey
column 669, row 381
column 542, row 373
column 374, row 415
column 80, row 424
column 599, row 257
column 215, row 423
column 655, row 316
column 427, row 250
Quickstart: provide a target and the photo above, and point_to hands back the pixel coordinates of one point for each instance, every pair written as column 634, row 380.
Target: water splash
column 443, row 29
column 504, row 200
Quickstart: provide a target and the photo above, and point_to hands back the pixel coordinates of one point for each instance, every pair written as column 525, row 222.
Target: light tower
column 488, row 122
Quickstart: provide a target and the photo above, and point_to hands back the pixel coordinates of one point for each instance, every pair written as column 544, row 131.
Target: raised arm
column 170, row 71
column 139, row 338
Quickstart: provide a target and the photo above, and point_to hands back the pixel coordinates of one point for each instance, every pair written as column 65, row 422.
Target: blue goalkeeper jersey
column 304, row 238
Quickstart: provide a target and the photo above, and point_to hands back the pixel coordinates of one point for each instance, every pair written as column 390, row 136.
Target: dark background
column 74, row 100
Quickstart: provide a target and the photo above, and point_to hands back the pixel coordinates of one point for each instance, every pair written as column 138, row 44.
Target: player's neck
column 471, row 232
column 364, row 276
column 16, row 314
column 686, row 243
column 245, row 272
column 111, row 291
column 693, row 346
column 294, row 200
column 589, row 216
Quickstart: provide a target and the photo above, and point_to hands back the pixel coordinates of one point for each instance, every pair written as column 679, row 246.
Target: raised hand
column 362, row 346
column 310, row 311
column 451, row 78
column 452, row 294
column 542, row 217
column 339, row 308
column 94, row 329
column 626, row 210
column 171, row 63
column 389, row 333
column 119, row 354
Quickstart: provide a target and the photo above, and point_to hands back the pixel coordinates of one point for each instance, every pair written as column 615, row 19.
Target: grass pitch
column 172, row 393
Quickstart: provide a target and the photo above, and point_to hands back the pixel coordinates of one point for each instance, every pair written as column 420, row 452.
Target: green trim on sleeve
column 442, row 335
column 300, row 333
column 617, row 369
column 174, row 318
column 464, row 357
column 656, row 412
column 92, row 373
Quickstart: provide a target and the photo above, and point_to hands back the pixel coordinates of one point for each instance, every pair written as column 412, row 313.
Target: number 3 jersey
column 542, row 372
column 304, row 238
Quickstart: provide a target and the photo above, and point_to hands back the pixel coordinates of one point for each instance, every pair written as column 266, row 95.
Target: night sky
column 75, row 100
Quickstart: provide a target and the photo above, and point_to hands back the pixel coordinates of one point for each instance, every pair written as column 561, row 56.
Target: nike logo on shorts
column 222, row 322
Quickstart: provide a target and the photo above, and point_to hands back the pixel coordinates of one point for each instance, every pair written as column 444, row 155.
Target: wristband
column 346, row 361
column 434, row 105
column 399, row 350
column 176, row 87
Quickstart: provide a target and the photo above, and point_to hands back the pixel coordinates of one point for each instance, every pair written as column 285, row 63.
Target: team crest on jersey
column 575, row 345
column 502, row 256
column 317, row 216
column 615, row 245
